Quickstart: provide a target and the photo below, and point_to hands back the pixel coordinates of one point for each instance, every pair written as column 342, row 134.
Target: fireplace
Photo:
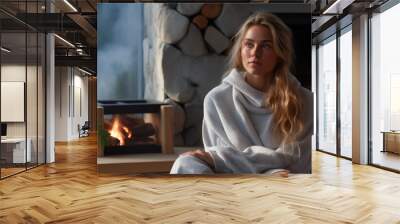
column 135, row 137
column 134, row 127
column 131, row 133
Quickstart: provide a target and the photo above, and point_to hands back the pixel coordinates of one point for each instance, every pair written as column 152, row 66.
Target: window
column 385, row 85
column 327, row 96
column 346, row 93
column 120, row 57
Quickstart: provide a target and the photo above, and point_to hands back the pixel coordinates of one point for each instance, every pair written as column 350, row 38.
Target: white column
column 360, row 90
column 314, row 90
column 50, row 94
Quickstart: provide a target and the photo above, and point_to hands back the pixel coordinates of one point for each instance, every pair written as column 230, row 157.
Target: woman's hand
column 200, row 154
column 281, row 174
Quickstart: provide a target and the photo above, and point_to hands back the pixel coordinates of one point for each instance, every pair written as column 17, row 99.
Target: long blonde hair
column 282, row 97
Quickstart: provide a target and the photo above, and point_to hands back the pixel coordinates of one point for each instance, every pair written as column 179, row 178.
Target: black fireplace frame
column 111, row 107
column 130, row 106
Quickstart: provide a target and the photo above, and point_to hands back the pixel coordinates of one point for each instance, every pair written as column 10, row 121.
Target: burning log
column 142, row 140
column 118, row 130
column 124, row 130
column 112, row 141
column 143, row 134
column 144, row 130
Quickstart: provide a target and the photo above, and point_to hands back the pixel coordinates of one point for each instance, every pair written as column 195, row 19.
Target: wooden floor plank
column 71, row 191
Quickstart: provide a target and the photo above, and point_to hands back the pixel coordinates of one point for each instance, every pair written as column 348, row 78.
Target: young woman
column 259, row 118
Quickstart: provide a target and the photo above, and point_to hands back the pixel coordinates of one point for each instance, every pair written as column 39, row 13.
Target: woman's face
column 258, row 56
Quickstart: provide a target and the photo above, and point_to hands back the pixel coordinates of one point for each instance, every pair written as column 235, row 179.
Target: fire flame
column 119, row 131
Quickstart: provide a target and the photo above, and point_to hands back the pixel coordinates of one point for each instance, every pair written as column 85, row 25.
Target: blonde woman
column 259, row 119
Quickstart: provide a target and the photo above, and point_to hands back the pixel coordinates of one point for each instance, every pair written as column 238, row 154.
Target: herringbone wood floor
column 71, row 191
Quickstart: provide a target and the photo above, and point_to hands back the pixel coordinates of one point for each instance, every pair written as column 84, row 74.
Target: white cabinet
column 16, row 148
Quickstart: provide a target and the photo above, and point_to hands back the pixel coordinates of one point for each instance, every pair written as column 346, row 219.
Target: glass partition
column 22, row 88
column 31, row 99
column 385, row 89
column 13, row 94
column 41, row 91
column 327, row 95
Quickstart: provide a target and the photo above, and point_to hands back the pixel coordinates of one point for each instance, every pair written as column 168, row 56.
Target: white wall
column 33, row 126
column 17, row 73
column 61, row 103
column 71, row 93
column 82, row 83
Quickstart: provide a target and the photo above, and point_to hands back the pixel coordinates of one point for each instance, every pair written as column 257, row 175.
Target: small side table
column 391, row 141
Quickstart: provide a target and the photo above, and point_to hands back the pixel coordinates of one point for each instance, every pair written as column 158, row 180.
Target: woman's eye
column 266, row 46
column 249, row 45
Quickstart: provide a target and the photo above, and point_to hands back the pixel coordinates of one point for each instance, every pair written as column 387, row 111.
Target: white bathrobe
column 239, row 134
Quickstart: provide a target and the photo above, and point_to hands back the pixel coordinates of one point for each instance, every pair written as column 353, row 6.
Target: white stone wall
column 185, row 49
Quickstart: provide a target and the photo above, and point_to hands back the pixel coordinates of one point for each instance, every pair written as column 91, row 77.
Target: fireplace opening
column 134, row 127
column 132, row 133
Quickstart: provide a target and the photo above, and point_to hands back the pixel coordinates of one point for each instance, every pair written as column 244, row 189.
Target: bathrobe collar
column 237, row 81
